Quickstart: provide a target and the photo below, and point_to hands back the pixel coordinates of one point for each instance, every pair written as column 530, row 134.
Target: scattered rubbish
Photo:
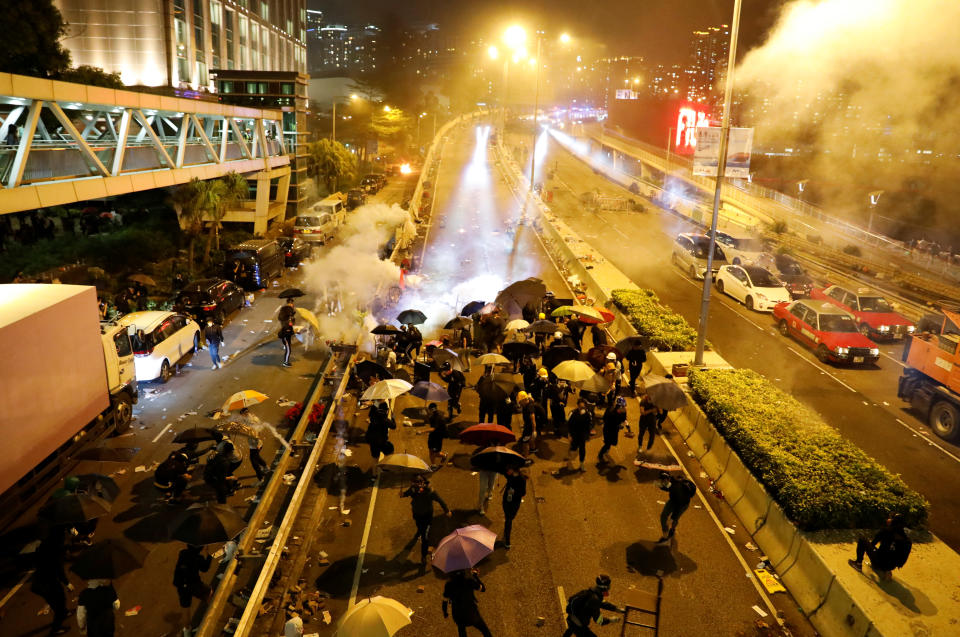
column 760, row 611
column 326, row 618
column 541, row 621
column 191, row 413
column 30, row 548
column 265, row 532
column 268, row 320
column 346, row 523
column 130, row 612
column 697, row 506
column 690, row 454
column 44, row 611
column 703, row 474
column 331, row 508
column 729, row 530
column 769, row 581
column 660, row 502
column 473, row 473
column 231, row 626
column 421, row 588
column 750, row 546
column 140, row 468
column 289, row 478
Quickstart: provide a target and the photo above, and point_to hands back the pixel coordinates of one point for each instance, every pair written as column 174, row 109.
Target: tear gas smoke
column 871, row 86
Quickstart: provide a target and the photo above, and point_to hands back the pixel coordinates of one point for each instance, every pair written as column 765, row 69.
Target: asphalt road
column 571, row 526
column 860, row 402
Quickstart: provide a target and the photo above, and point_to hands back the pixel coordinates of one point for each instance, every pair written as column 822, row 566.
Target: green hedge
column 820, row 479
column 665, row 329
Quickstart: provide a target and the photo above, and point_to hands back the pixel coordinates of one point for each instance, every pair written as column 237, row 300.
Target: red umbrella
column 487, row 434
column 605, row 314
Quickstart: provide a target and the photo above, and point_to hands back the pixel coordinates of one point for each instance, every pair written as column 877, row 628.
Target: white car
column 753, row 286
column 161, row 340
column 741, row 250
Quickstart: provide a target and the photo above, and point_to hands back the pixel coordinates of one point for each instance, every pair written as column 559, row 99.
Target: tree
column 91, row 76
column 331, row 163
column 187, row 201
column 31, row 42
column 227, row 192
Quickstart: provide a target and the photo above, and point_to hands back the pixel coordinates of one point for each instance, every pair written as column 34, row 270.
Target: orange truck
column 931, row 379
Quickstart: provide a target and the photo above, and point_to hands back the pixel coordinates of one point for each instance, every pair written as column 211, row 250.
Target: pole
column 721, row 169
column 503, row 107
column 536, row 107
column 419, row 145
column 333, row 129
column 669, row 142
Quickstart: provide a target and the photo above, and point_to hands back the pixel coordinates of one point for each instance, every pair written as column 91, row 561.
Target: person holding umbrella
column 613, row 419
column 513, row 492
column 438, row 431
column 456, row 381
column 649, row 414
column 579, row 425
column 96, row 607
column 422, row 498
column 49, row 578
column 191, row 562
column 288, row 312
column 458, row 593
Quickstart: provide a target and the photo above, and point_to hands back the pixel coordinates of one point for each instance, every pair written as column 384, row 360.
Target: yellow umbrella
column 242, row 399
column 374, row 617
column 309, row 317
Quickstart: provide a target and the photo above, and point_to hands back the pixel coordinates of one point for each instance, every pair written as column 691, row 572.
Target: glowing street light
column 565, row 38
column 386, row 108
column 514, row 36
column 493, row 52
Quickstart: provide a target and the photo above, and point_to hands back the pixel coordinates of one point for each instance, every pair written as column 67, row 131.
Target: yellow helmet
column 542, row 372
column 522, row 396
column 541, row 315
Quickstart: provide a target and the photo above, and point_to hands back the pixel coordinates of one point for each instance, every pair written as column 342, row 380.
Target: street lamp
column 721, row 169
column 333, row 127
column 565, row 39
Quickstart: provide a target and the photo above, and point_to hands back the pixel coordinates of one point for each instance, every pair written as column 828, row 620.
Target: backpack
column 575, row 605
column 900, row 550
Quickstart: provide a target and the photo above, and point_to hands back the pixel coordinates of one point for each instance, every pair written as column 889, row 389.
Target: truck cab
column 931, row 378
column 121, row 372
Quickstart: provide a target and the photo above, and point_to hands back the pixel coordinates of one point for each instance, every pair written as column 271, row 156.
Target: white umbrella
column 374, row 617
column 492, row 359
column 574, row 371
column 516, row 325
column 387, row 389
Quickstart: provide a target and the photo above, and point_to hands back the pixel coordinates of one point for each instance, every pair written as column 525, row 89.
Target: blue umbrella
column 472, row 308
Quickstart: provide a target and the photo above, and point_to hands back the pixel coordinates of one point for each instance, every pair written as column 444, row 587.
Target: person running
column 286, row 338
column 422, row 498
column 213, row 335
column 681, row 491
column 646, row 425
column 585, row 606
column 578, row 425
column 191, row 562
column 888, row 550
column 635, row 360
column 438, row 431
column 378, row 431
column 613, row 419
column 458, row 593
column 456, row 381
column 513, row 492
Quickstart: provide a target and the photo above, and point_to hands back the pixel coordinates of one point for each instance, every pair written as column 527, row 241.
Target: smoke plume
column 873, row 88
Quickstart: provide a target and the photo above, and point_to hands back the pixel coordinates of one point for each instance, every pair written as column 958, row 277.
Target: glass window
column 286, row 88
column 216, row 24
column 231, row 50
column 122, row 342
column 837, row 323
column 799, row 311
column 874, row 304
column 265, row 9
column 226, row 86
column 251, row 87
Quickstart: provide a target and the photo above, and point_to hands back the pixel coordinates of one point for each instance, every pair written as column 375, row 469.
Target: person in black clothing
column 579, row 424
column 681, row 492
column 459, row 593
column 191, row 562
column 888, row 550
column 456, row 381
column 557, row 393
column 613, row 419
column 576, row 332
column 286, row 337
column 635, row 360
column 527, row 370
column 438, row 431
column 378, row 431
column 217, row 473
column 416, row 342
column 49, row 578
column 213, row 334
column 96, row 607
column 527, row 444
column 646, row 425
column 422, row 498
column 288, row 312
column 178, row 281
column 505, row 412
column 538, row 385
column 513, row 493
column 172, row 476
column 585, row 607
column 487, row 409
column 598, row 335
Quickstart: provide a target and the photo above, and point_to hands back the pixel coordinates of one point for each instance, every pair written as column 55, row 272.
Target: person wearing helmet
column 613, row 372
column 585, row 606
column 541, row 316
column 613, row 419
column 525, row 401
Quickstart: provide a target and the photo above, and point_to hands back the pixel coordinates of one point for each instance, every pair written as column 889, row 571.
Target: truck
column 930, row 381
column 67, row 379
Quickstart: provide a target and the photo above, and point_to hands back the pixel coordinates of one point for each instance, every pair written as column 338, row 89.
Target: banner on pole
column 706, row 158
column 626, row 94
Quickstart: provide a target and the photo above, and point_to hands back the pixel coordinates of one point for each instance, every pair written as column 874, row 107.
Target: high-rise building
column 709, row 49
column 339, row 49
column 177, row 42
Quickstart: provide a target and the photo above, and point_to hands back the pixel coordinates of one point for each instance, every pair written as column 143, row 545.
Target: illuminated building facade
column 177, row 42
column 338, row 49
column 709, row 49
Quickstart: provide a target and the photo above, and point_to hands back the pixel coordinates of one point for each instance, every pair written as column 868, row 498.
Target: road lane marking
column 563, row 603
column 812, row 364
column 895, row 360
column 23, row 580
column 363, row 543
column 160, row 435
column 927, row 438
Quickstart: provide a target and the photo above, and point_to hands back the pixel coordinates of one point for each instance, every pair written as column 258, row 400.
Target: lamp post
column 721, row 169
column 536, row 108
column 333, row 127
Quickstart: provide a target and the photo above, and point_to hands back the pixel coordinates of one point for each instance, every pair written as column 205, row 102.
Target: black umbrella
column 441, row 356
column 472, row 308
column 517, row 349
column 556, row 354
column 197, row 434
column 207, row 523
column 412, row 317
column 543, row 326
column 631, row 343
column 75, row 508
column 109, row 559
column 430, row 392
column 457, row 323
column 497, row 459
column 516, row 295
column 108, row 454
column 495, row 387
column 366, row 369
column 385, row 330
column 292, row 293
column 98, row 485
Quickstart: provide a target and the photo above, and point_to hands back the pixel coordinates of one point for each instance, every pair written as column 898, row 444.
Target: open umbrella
column 464, row 548
column 458, row 322
column 292, row 293
column 664, row 392
column 556, row 354
column 487, row 433
column 597, row 356
column 574, row 371
column 108, row 454
column 241, row 399
column 472, row 308
column 75, row 508
column 386, row 389
column 495, row 387
column 441, row 356
column 207, row 523
column 543, row 326
column 367, row 369
column 493, row 359
column 518, row 349
column 404, row 463
column 583, row 311
column 606, row 316
column 596, row 384
column 496, row 459
column 428, row 391
column 101, row 486
column 197, row 434
column 516, row 325
column 412, row 317
column 631, row 343
column 374, row 617
column 109, row 559
column 309, row 317
column 385, row 329
column 515, row 296
column 146, row 279
column 489, row 308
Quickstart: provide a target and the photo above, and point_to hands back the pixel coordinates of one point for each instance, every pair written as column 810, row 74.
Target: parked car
column 826, row 329
column 753, row 286
column 320, row 222
column 253, row 263
column 295, row 250
column 740, row 249
column 215, row 298
column 788, row 270
column 875, row 317
column 356, row 198
column 160, row 342
column 372, row 183
column 690, row 254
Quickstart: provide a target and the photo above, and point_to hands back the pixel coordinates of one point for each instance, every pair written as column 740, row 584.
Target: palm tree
column 187, row 202
column 227, row 192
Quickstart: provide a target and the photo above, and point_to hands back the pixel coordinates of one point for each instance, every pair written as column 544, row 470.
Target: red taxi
column 826, row 329
column 875, row 317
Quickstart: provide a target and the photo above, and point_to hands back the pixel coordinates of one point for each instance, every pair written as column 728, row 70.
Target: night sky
column 656, row 29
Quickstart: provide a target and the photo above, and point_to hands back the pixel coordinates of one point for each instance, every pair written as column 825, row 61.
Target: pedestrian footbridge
column 62, row 143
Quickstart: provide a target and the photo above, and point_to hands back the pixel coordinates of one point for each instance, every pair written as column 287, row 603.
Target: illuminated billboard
column 659, row 121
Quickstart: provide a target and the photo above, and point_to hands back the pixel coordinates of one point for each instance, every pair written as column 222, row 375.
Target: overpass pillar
column 261, row 214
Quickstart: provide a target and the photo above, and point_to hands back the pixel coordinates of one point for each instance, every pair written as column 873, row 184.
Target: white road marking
column 563, row 603
column 895, row 360
column 160, row 435
column 23, row 580
column 363, row 543
column 920, row 432
column 812, row 364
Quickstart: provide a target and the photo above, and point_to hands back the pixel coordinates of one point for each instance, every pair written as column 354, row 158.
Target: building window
column 254, row 46
column 286, row 88
column 252, row 88
column 226, row 86
column 216, row 23
column 231, row 50
column 180, row 27
column 265, row 10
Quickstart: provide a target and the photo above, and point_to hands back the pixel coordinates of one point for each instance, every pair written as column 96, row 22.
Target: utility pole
column 536, row 108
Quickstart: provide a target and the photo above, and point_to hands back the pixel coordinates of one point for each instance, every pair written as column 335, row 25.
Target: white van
column 320, row 222
column 741, row 250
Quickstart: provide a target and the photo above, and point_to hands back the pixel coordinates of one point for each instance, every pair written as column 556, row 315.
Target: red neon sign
column 688, row 120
